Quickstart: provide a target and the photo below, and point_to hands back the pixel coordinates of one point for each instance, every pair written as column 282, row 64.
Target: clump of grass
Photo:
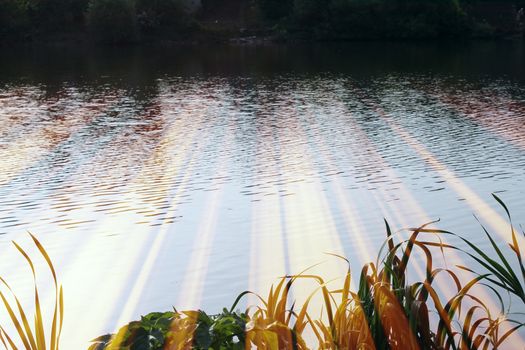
column 386, row 312
column 501, row 272
column 270, row 325
column 32, row 337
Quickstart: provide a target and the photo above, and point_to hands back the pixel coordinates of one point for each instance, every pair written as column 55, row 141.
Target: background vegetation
column 124, row 21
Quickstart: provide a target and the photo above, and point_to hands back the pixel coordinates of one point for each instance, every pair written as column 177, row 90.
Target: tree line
column 105, row 20
column 385, row 19
column 118, row 21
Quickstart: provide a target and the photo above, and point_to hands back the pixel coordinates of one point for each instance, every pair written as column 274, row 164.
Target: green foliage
column 309, row 11
column 276, row 9
column 502, row 273
column 349, row 19
column 360, row 19
column 148, row 333
column 482, row 30
column 159, row 16
column 56, row 15
column 13, row 19
column 117, row 21
column 431, row 18
column 223, row 331
column 161, row 330
column 113, row 21
column 399, row 19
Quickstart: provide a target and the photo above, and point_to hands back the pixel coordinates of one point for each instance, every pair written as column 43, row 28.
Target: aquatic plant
column 32, row 338
column 502, row 274
column 386, row 312
column 179, row 331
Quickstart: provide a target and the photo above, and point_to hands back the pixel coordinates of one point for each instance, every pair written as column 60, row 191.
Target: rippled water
column 185, row 176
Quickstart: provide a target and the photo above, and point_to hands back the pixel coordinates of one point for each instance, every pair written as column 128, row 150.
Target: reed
column 32, row 337
column 387, row 311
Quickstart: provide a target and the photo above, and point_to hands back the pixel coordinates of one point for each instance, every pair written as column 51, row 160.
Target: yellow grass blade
column 393, row 319
column 39, row 323
column 45, row 255
column 34, row 340
column 9, row 340
column 2, row 339
column 15, row 321
column 54, row 340
column 23, row 317
column 61, row 308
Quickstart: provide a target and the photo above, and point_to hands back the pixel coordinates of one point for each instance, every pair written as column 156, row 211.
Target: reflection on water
column 219, row 169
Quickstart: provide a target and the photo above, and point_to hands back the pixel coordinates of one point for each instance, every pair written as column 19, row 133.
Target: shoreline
column 84, row 40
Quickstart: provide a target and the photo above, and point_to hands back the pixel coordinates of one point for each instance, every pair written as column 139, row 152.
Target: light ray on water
column 192, row 286
column 182, row 162
column 49, row 136
column 288, row 166
column 479, row 206
column 493, row 219
column 394, row 211
column 491, row 115
column 140, row 247
column 310, row 228
column 269, row 258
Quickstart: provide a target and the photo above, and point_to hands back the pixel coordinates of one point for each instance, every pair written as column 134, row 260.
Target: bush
column 113, row 21
column 359, row 18
column 173, row 330
column 308, row 11
column 13, row 20
column 56, row 15
column 276, row 9
column 397, row 19
column 431, row 18
column 159, row 16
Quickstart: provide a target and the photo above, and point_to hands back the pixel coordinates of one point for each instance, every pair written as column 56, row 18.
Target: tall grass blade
column 23, row 317
column 34, row 339
column 15, row 321
column 9, row 340
column 54, row 339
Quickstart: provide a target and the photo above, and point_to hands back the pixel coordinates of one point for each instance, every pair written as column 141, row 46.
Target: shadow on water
column 127, row 67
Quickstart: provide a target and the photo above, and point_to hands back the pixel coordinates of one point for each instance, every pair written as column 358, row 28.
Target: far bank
column 168, row 22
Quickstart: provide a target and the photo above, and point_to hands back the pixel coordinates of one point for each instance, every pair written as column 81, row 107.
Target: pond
column 183, row 176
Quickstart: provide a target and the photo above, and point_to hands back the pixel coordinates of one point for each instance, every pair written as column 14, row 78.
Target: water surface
column 184, row 176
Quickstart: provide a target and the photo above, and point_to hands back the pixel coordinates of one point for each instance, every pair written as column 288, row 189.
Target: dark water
column 183, row 176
